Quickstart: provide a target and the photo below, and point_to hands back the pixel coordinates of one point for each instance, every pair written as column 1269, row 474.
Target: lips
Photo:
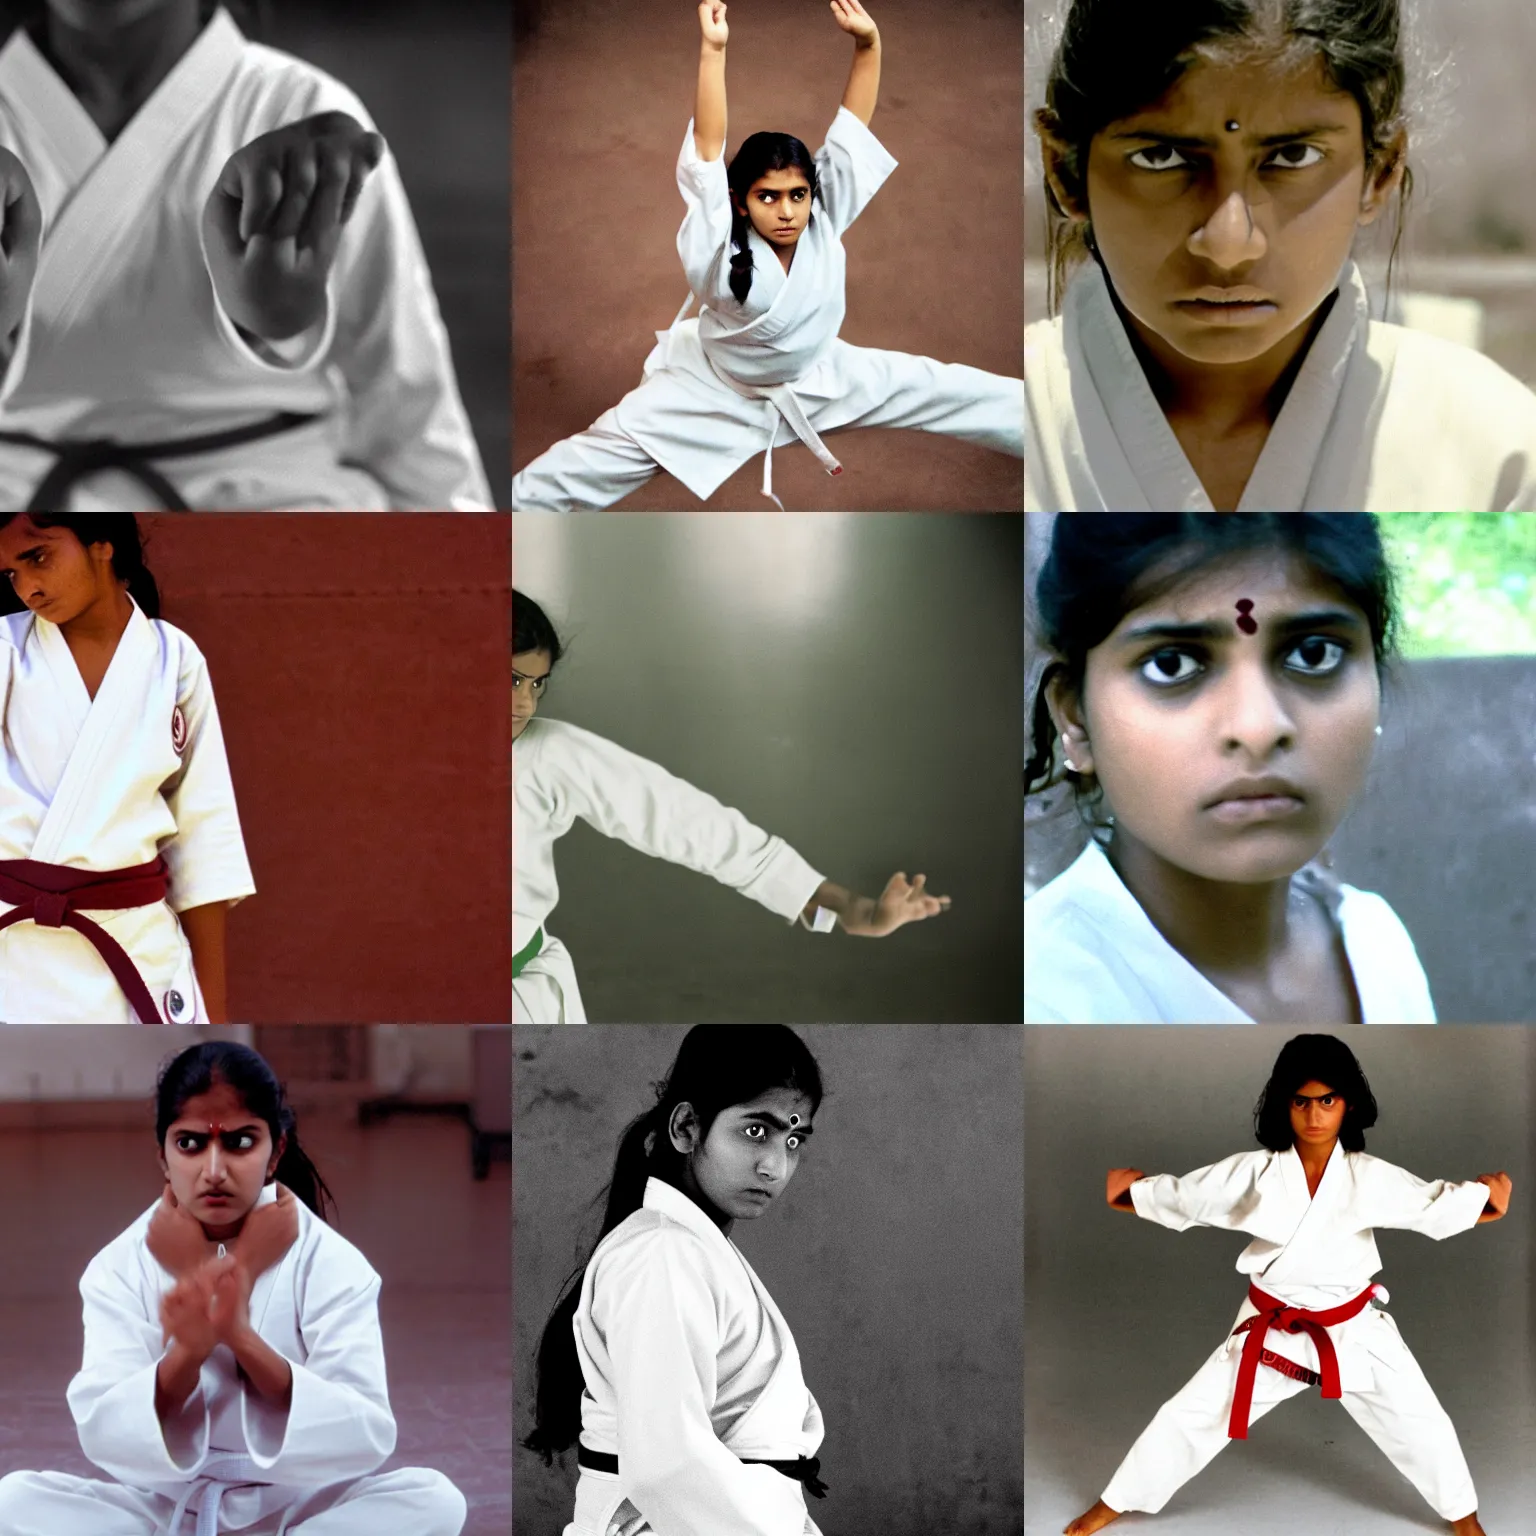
column 1255, row 789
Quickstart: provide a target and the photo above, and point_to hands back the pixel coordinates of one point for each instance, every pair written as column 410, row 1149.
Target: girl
column 561, row 772
column 763, row 365
column 1215, row 159
column 1311, row 1202
column 231, row 308
column 115, row 796
column 234, row 1368
column 1217, row 681
column 665, row 1354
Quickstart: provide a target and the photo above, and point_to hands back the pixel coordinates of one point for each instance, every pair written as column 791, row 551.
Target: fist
column 268, row 1233
column 175, row 1239
column 1117, row 1185
column 274, row 219
column 712, row 22
column 1500, row 1186
column 904, row 901
column 187, row 1309
column 21, row 236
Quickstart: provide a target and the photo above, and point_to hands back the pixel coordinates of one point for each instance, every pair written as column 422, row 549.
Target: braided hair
column 758, row 155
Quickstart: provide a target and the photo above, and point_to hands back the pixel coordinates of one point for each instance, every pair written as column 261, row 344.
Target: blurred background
column 410, row 1128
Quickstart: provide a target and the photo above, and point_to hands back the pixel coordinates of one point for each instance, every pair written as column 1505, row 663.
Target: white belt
column 222, row 1471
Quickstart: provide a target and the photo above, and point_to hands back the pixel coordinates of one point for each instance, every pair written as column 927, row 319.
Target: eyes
column 1314, row 647
column 536, row 684
column 1328, row 1100
column 797, row 195
column 190, row 1144
column 1164, row 157
column 759, row 1134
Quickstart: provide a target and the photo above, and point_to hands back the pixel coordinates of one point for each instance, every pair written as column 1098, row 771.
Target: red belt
column 49, row 894
column 1275, row 1314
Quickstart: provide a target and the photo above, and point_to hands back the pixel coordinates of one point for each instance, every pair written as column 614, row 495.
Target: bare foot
column 1468, row 1526
column 1101, row 1514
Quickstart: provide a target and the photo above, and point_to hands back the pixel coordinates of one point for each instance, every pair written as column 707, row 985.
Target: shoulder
column 122, row 1257
column 330, row 1258
column 648, row 1240
column 1467, row 390
column 270, row 82
column 1369, row 918
column 15, row 627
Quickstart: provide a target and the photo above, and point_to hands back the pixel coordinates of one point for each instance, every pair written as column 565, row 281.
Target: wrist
column 711, row 50
column 864, row 44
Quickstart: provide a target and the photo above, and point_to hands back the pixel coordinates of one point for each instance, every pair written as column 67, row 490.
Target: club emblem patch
column 178, row 730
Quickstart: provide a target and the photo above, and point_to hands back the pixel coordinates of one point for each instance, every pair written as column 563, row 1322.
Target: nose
column 773, row 1163
column 1257, row 718
column 1231, row 237
column 215, row 1161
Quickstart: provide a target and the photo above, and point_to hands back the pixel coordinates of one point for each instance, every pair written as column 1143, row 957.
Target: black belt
column 79, row 458
column 803, row 1471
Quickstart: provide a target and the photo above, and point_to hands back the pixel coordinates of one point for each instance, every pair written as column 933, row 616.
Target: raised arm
column 863, row 89
column 709, row 101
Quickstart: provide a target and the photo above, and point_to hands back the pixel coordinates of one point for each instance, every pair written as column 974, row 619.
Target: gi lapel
column 1291, row 1264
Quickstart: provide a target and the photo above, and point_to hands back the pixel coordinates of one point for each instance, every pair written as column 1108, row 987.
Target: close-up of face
column 750, row 1153
column 779, row 205
column 1231, row 722
column 530, row 677
column 217, row 1157
column 52, row 572
column 1317, row 1113
column 1225, row 211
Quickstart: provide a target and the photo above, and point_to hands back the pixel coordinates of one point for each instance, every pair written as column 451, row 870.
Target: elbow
column 655, row 1485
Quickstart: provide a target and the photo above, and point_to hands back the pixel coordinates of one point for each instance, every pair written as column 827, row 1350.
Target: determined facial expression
column 217, row 1156
column 530, row 677
column 52, row 572
column 1221, row 244
column 1317, row 1113
column 779, row 206
column 1182, row 705
column 752, row 1152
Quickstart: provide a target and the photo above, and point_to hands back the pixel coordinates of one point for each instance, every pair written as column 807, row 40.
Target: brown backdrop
column 360, row 666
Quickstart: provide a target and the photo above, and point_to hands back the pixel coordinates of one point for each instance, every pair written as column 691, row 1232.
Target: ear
column 683, row 1128
column 277, row 1156
column 1056, row 155
column 1067, row 716
column 1383, row 179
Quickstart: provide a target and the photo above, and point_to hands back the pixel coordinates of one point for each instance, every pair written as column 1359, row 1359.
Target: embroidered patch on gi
column 178, row 731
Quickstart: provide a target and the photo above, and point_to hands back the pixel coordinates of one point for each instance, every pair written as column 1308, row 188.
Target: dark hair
column 199, row 1067
column 254, row 16
column 120, row 530
column 717, row 1065
column 1116, row 57
column 531, row 629
column 1320, row 1059
column 759, row 154
column 1103, row 564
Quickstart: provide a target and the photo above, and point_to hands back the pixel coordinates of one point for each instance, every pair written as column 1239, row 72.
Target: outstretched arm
column 1117, row 1188
column 863, row 89
column 709, row 101
column 1499, row 1187
column 901, row 902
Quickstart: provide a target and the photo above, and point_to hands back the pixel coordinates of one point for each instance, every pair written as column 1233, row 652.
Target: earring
column 1066, row 759
column 1378, row 730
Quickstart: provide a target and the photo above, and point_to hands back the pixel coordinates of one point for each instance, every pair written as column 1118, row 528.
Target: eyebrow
column 228, row 1130
column 778, row 1124
column 531, row 677
column 1269, row 141
column 1318, row 618
column 1312, row 1098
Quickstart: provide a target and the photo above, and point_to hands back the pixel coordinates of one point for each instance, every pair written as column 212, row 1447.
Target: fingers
column 261, row 191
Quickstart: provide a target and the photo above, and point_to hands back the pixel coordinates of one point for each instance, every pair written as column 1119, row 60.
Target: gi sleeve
column 851, row 166
column 627, row 797
column 1223, row 1195
column 663, row 1332
column 1439, row 1208
column 206, row 857
column 705, row 235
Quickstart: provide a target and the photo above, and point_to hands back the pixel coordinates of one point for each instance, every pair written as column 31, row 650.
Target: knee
column 16, row 1497
column 443, row 1507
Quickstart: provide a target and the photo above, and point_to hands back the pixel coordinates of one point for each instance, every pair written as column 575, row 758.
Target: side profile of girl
column 665, row 1361
column 763, row 364
column 561, row 772
column 234, row 1374
column 1208, row 167
column 1213, row 698
column 120, row 843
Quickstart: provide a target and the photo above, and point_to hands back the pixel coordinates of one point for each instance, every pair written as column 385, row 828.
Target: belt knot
column 50, row 908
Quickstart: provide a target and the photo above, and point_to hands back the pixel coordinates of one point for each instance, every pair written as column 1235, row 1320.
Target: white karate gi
column 1093, row 956
column 304, row 1470
column 125, row 339
column 689, row 1366
column 741, row 379
column 1315, row 1253
column 100, row 784
column 1380, row 419
column 560, row 772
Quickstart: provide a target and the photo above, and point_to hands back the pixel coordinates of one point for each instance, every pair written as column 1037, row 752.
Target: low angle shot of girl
column 212, row 290
column 561, row 772
column 763, row 365
column 665, row 1362
column 1209, row 166
column 120, row 843
column 1213, row 696
column 1312, row 1201
column 234, row 1372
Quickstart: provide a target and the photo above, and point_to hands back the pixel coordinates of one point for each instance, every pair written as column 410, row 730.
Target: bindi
column 1245, row 621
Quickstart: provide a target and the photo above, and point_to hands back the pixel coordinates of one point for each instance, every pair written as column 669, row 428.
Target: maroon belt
column 1275, row 1314
column 50, row 894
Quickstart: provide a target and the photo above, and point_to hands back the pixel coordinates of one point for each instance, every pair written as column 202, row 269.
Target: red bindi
column 1245, row 620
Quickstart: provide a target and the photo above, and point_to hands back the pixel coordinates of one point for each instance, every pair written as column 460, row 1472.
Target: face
column 1182, row 704
column 217, row 1156
column 52, row 572
column 530, row 677
column 779, row 206
column 750, row 1154
column 1223, row 244
column 1317, row 1112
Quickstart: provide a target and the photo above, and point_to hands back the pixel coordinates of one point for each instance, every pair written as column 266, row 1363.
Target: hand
column 21, row 237
column 1500, row 1186
column 854, row 19
column 901, row 902
column 175, row 1239
column 267, row 1233
column 1117, row 1185
column 274, row 220
column 230, row 1300
column 187, row 1309
column 712, row 23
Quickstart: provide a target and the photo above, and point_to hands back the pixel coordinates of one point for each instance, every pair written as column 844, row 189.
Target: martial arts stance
column 120, row 844
column 561, row 772
column 666, row 1355
column 233, row 1377
column 1216, row 349
column 212, row 293
column 763, row 364
column 1216, row 683
column 1310, row 1202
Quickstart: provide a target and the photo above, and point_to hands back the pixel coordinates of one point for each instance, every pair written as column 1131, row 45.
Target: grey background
column 1445, row 829
column 846, row 681
column 895, row 1258
column 1121, row 1312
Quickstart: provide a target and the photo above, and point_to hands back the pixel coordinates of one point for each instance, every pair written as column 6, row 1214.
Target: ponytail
column 298, row 1173
column 120, row 530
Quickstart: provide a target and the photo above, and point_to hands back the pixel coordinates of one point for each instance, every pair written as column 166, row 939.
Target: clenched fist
column 1500, row 1186
column 274, row 220
column 21, row 236
column 1117, row 1187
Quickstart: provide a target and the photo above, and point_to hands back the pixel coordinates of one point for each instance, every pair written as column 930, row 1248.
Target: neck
column 104, row 621
column 1315, row 1158
column 690, row 1186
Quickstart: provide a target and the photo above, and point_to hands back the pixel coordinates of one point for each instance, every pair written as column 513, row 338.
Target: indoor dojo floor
column 405, row 1197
